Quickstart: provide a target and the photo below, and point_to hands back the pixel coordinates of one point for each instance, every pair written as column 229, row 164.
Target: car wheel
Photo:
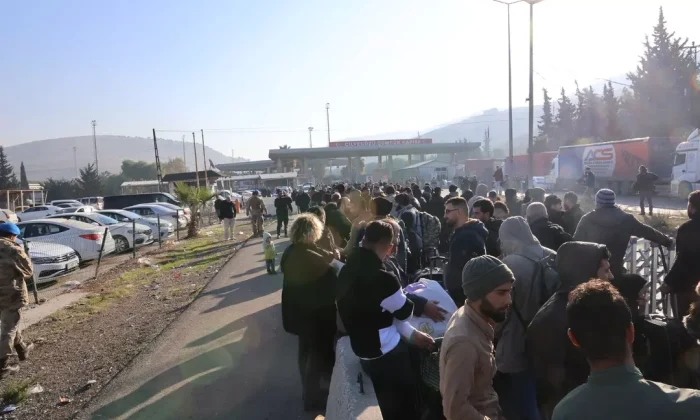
column 120, row 244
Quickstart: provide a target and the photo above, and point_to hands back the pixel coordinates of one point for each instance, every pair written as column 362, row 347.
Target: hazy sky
column 268, row 67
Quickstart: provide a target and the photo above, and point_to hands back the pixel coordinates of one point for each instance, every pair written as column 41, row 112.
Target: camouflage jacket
column 255, row 206
column 15, row 267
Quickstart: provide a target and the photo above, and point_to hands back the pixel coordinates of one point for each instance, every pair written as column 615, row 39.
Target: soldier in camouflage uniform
column 255, row 209
column 15, row 268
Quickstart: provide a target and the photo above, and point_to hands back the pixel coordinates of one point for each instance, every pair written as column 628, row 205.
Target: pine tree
column 24, row 183
column 6, row 172
column 665, row 101
column 565, row 120
column 486, row 145
column 545, row 138
column 579, row 113
column 89, row 183
column 611, row 107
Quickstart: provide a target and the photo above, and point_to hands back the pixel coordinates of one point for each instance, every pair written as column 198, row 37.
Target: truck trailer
column 686, row 170
column 615, row 163
column 541, row 165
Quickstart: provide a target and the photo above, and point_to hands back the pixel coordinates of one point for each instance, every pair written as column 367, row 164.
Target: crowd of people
column 550, row 325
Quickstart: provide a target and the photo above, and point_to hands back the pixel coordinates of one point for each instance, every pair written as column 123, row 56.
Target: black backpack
column 542, row 267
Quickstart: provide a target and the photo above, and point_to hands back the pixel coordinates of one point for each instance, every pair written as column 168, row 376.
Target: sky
column 256, row 74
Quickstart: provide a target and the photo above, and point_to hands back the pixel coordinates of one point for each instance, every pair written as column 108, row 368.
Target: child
column 270, row 253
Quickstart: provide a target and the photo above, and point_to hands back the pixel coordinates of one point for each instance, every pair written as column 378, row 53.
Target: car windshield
column 103, row 219
column 129, row 214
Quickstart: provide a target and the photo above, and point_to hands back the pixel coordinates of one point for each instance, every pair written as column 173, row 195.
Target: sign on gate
column 364, row 143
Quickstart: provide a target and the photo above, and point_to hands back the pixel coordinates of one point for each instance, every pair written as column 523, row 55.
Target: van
column 123, row 201
column 96, row 202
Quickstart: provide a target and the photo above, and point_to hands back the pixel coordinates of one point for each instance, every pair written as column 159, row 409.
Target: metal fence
column 652, row 262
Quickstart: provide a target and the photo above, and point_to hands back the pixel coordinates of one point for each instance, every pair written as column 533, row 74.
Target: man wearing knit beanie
column 466, row 357
column 604, row 198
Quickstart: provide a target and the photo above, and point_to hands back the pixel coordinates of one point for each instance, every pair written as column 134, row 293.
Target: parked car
column 181, row 209
column 51, row 261
column 57, row 202
column 8, row 216
column 96, row 202
column 124, row 201
column 166, row 227
column 84, row 239
column 37, row 212
column 68, row 205
column 151, row 210
column 123, row 233
column 76, row 209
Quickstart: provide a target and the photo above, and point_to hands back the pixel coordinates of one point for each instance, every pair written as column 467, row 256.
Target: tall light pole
column 328, row 123
column 311, row 144
column 94, row 143
column 184, row 154
column 531, row 118
column 510, row 87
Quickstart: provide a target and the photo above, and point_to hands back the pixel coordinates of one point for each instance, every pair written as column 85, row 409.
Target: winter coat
column 492, row 246
column 303, row 200
column 283, row 205
column 498, row 175
column 255, row 206
column 571, row 218
column 467, row 367
column 557, row 365
column 522, row 253
column 645, row 182
column 613, row 227
column 308, row 291
column 227, row 210
column 436, row 206
column 338, row 224
column 270, row 252
column 685, row 272
column 550, row 235
column 556, row 217
column 467, row 241
column 15, row 268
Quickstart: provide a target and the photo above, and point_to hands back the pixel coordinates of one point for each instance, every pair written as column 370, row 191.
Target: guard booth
column 19, row 199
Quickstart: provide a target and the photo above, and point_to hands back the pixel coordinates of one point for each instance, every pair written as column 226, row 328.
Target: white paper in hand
column 431, row 290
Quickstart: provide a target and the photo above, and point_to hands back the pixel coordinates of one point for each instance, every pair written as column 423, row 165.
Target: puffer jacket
column 467, row 241
column 613, row 227
column 550, row 235
column 558, row 366
column 522, row 252
column 15, row 268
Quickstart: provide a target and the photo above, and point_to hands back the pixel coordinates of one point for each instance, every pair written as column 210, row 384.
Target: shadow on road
column 243, row 291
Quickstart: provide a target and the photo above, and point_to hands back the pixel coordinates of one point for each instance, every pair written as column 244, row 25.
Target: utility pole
column 75, row 161
column 196, row 167
column 94, row 143
column 531, row 101
column 204, row 155
column 311, row 144
column 184, row 155
column 328, row 123
column 158, row 171
column 510, row 100
column 233, row 156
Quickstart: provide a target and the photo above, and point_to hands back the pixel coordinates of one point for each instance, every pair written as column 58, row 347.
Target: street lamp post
column 531, row 117
column 328, row 123
column 311, row 144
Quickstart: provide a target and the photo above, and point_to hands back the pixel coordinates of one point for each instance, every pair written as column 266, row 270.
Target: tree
column 59, row 189
column 139, row 170
column 195, row 199
column 8, row 180
column 486, row 145
column 174, row 166
column 665, row 102
column 546, row 124
column 24, row 183
column 565, row 120
column 89, row 183
column 611, row 109
column 112, row 183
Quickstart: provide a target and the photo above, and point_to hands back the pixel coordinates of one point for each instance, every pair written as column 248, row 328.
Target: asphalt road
column 225, row 357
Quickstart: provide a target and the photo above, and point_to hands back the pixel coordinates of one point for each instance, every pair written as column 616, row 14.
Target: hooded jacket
column 558, row 366
column 613, row 227
column 468, row 241
column 522, row 252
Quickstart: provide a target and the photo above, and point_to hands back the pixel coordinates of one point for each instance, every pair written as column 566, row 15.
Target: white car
column 124, row 238
column 84, row 239
column 8, row 216
column 57, row 202
column 153, row 210
column 166, row 227
column 51, row 260
column 182, row 210
column 37, row 212
column 76, row 209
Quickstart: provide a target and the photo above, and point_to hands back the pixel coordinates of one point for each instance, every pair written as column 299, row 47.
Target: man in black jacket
column 514, row 205
column 436, row 205
column 374, row 311
column 483, row 211
column 227, row 213
column 303, row 202
column 468, row 240
column 645, row 186
column 572, row 213
column 555, row 211
column 685, row 272
column 283, row 205
column 550, row 235
column 588, row 179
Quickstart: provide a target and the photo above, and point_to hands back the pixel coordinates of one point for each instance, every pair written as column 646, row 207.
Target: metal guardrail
column 646, row 259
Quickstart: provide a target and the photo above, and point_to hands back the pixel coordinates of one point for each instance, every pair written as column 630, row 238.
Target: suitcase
column 434, row 270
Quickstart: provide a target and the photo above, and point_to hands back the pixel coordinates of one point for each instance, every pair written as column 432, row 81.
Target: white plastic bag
column 431, row 290
column 337, row 266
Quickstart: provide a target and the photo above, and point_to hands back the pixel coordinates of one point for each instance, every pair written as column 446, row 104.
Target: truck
column 541, row 165
column 615, row 163
column 482, row 168
column 686, row 168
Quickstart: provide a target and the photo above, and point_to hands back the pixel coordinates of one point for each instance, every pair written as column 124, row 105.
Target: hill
column 53, row 158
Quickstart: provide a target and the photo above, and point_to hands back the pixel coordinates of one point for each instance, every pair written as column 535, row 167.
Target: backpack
column 431, row 227
column 542, row 267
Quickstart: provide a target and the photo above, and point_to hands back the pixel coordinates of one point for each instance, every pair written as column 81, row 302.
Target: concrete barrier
column 345, row 402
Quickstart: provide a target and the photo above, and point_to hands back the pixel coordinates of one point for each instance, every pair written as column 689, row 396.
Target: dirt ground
column 125, row 309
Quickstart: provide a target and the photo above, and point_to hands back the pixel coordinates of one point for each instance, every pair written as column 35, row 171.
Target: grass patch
column 16, row 391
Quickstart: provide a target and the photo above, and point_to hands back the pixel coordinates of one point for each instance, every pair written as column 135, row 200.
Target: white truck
column 686, row 170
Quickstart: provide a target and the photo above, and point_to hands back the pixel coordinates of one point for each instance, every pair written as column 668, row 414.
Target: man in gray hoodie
column 533, row 285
